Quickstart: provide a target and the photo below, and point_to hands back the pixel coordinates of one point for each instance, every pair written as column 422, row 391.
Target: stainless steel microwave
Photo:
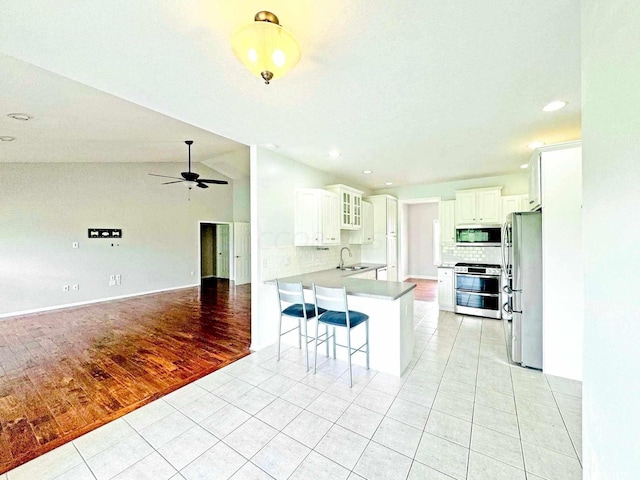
column 478, row 235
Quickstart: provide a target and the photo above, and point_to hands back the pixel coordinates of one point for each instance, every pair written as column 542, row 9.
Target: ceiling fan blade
column 217, row 182
column 164, row 176
column 202, row 185
column 175, row 181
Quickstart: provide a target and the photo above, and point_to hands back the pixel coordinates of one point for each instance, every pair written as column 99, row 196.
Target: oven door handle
column 477, row 275
column 478, row 293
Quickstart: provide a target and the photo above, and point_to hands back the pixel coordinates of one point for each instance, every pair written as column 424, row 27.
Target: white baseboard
column 89, row 302
column 422, row 277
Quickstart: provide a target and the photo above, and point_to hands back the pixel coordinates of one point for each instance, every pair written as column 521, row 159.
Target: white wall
column 241, row 195
column 514, row 184
column 562, row 262
column 46, row 207
column 611, row 195
column 420, row 219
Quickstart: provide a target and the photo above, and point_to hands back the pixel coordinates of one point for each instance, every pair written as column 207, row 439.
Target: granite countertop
column 447, row 265
column 359, row 287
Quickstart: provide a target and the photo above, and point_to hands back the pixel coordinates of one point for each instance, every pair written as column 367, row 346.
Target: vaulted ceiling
column 418, row 92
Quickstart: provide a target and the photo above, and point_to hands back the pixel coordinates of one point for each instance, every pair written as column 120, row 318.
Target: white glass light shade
column 266, row 47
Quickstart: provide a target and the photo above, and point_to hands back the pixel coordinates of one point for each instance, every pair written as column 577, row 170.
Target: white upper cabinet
column 478, row 206
column 330, row 218
column 447, row 221
column 392, row 216
column 351, row 206
column 317, row 214
column 514, row 203
column 364, row 236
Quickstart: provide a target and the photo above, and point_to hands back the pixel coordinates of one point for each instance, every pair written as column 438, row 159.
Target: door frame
column 232, row 273
column 403, row 238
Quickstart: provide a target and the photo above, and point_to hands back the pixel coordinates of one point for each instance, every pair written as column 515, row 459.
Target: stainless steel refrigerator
column 522, row 266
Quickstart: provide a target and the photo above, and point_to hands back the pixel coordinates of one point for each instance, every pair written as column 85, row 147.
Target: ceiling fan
column 189, row 178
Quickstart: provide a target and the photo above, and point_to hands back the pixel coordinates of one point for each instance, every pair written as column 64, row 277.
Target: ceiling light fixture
column 7, row 138
column 534, row 145
column 553, row 106
column 388, row 184
column 23, row 117
column 265, row 48
column 335, row 153
column 524, row 165
column 367, row 172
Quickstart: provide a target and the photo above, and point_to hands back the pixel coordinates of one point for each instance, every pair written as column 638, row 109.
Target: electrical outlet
column 75, row 245
column 76, row 287
column 118, row 279
column 65, row 288
column 112, row 280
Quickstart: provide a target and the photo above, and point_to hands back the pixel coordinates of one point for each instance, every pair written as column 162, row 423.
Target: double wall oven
column 478, row 290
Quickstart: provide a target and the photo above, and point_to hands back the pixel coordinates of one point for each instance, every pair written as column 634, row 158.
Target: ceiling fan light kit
column 191, row 179
column 267, row 49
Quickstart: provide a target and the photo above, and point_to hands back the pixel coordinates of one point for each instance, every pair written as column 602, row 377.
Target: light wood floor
column 66, row 372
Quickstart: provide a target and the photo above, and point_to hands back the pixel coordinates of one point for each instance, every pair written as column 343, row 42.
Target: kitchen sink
column 354, row 267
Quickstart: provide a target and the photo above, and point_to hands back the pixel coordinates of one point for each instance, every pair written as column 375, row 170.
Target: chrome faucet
column 341, row 259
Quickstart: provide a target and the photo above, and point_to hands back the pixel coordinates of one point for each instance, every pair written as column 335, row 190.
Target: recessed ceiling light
column 367, row 172
column 23, row 117
column 388, row 184
column 271, row 145
column 534, row 145
column 7, row 138
column 553, row 106
column 335, row 153
column 524, row 165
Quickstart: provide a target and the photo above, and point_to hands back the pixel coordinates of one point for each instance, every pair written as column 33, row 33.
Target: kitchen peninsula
column 389, row 306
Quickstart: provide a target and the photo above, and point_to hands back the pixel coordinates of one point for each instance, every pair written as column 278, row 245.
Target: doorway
column 420, row 245
column 215, row 251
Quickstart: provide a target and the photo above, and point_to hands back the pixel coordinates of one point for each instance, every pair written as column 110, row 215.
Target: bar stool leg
column 326, row 336
column 349, row 356
column 366, row 324
column 299, row 335
column 334, row 342
column 306, row 344
column 315, row 356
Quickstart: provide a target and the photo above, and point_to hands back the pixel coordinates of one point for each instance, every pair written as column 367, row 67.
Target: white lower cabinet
column 446, row 291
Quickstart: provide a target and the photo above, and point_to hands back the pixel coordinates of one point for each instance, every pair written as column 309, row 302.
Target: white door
column 242, row 252
column 222, row 251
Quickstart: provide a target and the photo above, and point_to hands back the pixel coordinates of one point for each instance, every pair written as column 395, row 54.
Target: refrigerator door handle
column 503, row 246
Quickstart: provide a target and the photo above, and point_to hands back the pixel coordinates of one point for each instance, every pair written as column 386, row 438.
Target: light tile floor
column 460, row 411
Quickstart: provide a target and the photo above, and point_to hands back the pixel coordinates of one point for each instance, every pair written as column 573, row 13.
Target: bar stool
column 292, row 304
column 337, row 314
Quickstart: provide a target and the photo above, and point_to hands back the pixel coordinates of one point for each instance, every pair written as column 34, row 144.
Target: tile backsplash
column 454, row 254
column 278, row 262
